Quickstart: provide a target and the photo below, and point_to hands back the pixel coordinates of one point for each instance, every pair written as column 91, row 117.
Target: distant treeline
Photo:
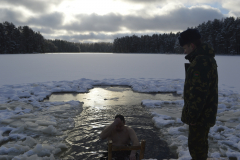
column 223, row 35
column 96, row 47
column 64, row 46
column 25, row 40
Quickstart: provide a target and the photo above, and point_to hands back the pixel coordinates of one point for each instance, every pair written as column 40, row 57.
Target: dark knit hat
column 189, row 36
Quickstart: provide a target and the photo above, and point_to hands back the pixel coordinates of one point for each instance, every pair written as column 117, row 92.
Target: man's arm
column 134, row 140
column 200, row 74
column 108, row 130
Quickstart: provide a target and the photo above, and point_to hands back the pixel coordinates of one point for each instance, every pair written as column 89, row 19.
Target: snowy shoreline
column 32, row 123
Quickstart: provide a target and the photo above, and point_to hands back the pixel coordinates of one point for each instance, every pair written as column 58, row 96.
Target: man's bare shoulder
column 132, row 135
column 129, row 129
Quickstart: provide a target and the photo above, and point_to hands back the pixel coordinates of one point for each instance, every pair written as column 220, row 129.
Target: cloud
column 93, row 22
column 33, row 5
column 52, row 20
column 177, row 19
column 10, row 16
column 233, row 6
column 143, row 1
column 87, row 37
column 171, row 17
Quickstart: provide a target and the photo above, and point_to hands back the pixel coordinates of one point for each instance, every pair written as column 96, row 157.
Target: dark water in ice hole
column 101, row 104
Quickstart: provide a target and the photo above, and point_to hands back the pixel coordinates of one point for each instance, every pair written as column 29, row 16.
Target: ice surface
column 31, row 117
column 224, row 137
column 33, row 129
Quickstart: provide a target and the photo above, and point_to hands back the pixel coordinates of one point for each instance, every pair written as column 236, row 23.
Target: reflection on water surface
column 106, row 95
column 101, row 104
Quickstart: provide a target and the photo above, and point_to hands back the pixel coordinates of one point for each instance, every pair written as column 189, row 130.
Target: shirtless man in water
column 120, row 134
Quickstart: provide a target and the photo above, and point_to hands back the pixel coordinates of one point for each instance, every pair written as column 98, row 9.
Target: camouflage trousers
column 198, row 142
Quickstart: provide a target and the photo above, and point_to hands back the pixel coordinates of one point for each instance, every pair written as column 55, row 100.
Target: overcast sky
column 104, row 20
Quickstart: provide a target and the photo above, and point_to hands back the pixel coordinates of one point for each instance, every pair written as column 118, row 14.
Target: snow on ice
column 33, row 129
column 224, row 137
column 37, row 126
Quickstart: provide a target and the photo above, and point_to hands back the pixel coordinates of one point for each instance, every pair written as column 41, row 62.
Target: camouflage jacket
column 201, row 88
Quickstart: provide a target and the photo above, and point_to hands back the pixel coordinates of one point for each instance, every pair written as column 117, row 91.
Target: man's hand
column 132, row 157
column 108, row 130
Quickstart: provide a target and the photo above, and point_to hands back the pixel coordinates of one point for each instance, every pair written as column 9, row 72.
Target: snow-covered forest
column 96, row 47
column 223, row 35
column 25, row 40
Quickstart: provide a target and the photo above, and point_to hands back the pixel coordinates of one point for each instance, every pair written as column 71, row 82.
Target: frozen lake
column 32, row 128
column 29, row 68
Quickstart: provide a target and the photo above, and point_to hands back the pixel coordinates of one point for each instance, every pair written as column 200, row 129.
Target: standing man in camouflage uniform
column 200, row 92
